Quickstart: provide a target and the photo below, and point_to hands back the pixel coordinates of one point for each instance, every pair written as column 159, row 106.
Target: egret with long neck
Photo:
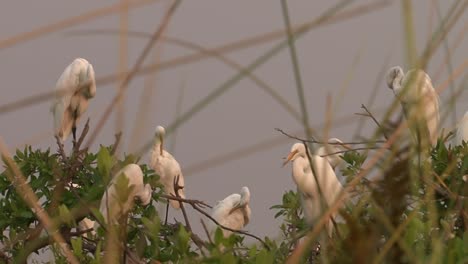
column 313, row 195
column 168, row 169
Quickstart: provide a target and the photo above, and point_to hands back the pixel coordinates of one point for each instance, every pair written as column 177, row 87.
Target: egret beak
column 161, row 148
column 289, row 158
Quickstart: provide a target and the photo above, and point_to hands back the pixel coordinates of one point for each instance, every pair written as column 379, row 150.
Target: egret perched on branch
column 233, row 211
column 75, row 87
column 307, row 186
column 419, row 100
column 168, row 169
column 111, row 206
column 462, row 130
column 332, row 151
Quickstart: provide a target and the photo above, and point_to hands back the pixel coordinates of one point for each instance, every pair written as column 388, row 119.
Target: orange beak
column 289, row 158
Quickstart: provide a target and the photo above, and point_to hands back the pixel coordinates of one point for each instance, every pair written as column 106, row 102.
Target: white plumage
column 462, row 130
column 164, row 164
column 75, row 87
column 233, row 211
column 110, row 207
column 419, row 100
column 307, row 186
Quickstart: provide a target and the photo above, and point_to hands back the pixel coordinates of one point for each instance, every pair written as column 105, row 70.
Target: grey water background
column 340, row 59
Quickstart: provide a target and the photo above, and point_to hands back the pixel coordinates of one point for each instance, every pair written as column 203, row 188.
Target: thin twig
column 177, row 187
column 350, row 150
column 118, row 136
column 375, row 120
column 329, row 143
column 82, row 136
column 61, row 151
column 194, row 237
column 206, row 231
column 189, row 201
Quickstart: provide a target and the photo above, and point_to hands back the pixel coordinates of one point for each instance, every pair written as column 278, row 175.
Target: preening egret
column 168, row 169
column 110, row 207
column 462, row 130
column 303, row 176
column 332, row 151
column 419, row 100
column 75, row 87
column 233, row 211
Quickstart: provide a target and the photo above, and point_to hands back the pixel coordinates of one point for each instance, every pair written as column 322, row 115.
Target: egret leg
column 74, row 135
column 167, row 212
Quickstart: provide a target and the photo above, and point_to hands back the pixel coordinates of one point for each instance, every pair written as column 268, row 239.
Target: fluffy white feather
column 419, row 100
column 233, row 211
column 110, row 207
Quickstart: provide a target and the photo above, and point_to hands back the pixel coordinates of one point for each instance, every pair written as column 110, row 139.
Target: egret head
column 86, row 79
column 245, row 194
column 159, row 137
column 329, row 151
column 297, row 150
column 394, row 78
column 244, row 199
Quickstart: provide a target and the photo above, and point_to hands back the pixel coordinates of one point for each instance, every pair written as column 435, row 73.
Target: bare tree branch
column 369, row 114
column 329, row 143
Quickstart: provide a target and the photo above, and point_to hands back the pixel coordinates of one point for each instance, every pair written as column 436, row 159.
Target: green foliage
column 354, row 161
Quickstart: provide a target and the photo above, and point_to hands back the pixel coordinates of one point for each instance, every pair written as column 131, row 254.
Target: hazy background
column 342, row 59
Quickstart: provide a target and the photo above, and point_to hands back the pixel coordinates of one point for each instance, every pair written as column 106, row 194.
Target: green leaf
column 152, row 226
column 264, row 257
column 183, row 239
column 99, row 217
column 218, row 237
column 65, row 215
column 104, row 163
column 122, row 188
column 77, row 246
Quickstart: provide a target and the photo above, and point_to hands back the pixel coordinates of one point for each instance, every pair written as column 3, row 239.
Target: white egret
column 168, row 169
column 462, row 130
column 110, row 207
column 233, row 211
column 307, row 186
column 419, row 100
column 75, row 87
